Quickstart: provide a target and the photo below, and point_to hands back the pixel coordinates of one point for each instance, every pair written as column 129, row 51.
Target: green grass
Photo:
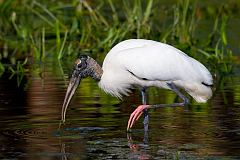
column 43, row 29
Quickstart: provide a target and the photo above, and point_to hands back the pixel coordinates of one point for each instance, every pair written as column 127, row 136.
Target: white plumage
column 145, row 63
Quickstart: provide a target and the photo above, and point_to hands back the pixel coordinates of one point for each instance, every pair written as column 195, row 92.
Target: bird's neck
column 96, row 70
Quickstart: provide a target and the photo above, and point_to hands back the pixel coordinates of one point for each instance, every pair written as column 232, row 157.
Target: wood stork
column 143, row 63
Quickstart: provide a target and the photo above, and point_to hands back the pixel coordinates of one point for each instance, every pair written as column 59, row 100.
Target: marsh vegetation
column 34, row 30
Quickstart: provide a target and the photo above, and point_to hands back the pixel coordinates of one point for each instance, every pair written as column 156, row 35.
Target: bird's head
column 84, row 66
column 81, row 68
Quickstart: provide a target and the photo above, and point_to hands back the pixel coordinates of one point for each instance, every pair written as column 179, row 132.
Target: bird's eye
column 79, row 65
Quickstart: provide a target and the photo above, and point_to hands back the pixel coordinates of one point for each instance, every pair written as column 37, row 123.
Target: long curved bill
column 72, row 86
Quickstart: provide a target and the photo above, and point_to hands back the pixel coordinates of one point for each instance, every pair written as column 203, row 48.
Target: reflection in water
column 96, row 122
column 63, row 151
column 138, row 150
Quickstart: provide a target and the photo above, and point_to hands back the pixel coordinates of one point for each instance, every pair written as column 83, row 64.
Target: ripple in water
column 25, row 133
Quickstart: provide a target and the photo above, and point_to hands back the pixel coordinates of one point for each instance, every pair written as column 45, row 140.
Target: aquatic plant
column 19, row 71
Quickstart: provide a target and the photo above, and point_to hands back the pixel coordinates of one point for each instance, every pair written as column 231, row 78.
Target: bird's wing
column 158, row 61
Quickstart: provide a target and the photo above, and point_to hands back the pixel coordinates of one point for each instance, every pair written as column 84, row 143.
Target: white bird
column 143, row 63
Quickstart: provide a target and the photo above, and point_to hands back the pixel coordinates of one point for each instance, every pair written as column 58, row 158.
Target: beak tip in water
column 73, row 84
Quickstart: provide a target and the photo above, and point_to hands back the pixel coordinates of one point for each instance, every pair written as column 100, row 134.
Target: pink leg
column 135, row 115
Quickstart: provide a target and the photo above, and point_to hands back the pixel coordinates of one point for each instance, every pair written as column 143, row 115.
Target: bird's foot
column 136, row 115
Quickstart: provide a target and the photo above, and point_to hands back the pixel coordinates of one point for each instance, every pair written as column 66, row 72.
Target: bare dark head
column 81, row 67
column 84, row 66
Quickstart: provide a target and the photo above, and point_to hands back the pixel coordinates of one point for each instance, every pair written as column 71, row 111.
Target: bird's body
column 145, row 63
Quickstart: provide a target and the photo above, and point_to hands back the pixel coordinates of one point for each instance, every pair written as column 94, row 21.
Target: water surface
column 96, row 123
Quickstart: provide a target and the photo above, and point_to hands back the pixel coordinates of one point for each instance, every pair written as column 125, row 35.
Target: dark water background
column 96, row 123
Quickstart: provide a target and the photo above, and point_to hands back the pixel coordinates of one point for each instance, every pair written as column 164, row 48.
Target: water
column 96, row 123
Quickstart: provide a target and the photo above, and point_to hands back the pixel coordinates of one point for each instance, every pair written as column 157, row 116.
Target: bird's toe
column 136, row 115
